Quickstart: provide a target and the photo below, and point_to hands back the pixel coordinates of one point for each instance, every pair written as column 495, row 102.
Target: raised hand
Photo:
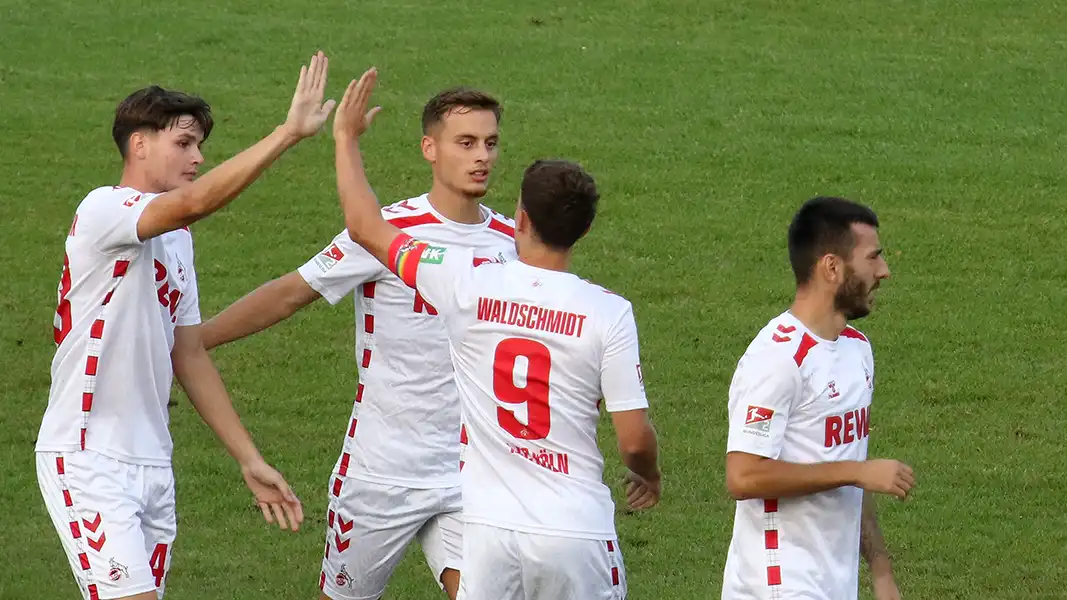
column 273, row 495
column 886, row 477
column 353, row 118
column 307, row 113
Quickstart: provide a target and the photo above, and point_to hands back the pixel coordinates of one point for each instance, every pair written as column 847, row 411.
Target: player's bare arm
column 363, row 217
column 751, row 476
column 874, row 552
column 201, row 381
column 187, row 204
column 261, row 308
column 639, row 450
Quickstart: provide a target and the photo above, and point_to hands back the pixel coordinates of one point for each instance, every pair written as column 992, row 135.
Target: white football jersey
column 405, row 423
column 534, row 351
column 119, row 302
column 798, row 398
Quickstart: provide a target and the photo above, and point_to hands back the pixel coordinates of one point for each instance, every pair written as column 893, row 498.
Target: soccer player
column 535, row 350
column 800, row 417
column 397, row 477
column 127, row 323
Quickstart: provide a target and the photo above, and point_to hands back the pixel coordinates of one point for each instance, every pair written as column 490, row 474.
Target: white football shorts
column 370, row 525
column 501, row 564
column 116, row 521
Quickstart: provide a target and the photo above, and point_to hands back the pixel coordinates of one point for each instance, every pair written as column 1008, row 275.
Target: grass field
column 706, row 123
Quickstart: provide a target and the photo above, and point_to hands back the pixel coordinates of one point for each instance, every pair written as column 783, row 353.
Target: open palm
column 273, row 495
column 353, row 118
column 308, row 113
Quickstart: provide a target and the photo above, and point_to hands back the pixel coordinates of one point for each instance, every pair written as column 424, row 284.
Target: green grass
column 706, row 123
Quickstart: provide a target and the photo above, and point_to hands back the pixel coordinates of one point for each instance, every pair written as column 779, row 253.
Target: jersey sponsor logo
column 849, row 427
column 433, row 255
column 640, row 375
column 870, row 380
column 758, row 420
column 131, row 201
column 329, row 257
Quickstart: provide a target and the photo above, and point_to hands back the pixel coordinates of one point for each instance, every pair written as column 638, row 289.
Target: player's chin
column 476, row 190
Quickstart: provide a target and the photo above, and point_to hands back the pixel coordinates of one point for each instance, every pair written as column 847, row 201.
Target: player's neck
column 815, row 309
column 455, row 206
column 133, row 179
column 543, row 257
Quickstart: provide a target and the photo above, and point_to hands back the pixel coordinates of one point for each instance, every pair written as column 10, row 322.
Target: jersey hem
column 748, row 450
column 628, row 405
column 546, row 531
column 124, row 458
column 412, row 484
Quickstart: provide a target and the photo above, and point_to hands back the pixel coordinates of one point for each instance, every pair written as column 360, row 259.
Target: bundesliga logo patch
column 758, row 420
column 329, row 257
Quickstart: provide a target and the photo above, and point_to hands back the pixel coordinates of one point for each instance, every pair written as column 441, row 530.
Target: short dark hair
column 560, row 198
column 445, row 102
column 822, row 226
column 154, row 108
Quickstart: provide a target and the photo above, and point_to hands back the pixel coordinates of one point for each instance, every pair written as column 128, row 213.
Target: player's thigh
column 441, row 537
column 492, row 565
column 369, row 527
column 93, row 505
column 561, row 568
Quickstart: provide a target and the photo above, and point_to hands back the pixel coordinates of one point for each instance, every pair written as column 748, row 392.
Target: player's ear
column 429, row 149
column 522, row 220
column 832, row 267
column 136, row 148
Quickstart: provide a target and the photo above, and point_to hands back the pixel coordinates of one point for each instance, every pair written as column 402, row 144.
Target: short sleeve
column 189, row 306
column 439, row 273
column 621, row 381
column 110, row 217
column 340, row 267
column 762, row 395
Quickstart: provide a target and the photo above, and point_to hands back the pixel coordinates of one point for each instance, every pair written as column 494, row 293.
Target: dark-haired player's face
column 864, row 272
column 172, row 155
column 463, row 149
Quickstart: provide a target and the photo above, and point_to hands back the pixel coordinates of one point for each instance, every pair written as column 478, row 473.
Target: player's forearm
column 769, row 478
column 872, row 544
column 202, row 383
column 264, row 307
column 363, row 216
column 223, row 183
column 641, row 455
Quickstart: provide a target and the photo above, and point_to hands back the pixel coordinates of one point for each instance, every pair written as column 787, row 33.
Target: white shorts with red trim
column 509, row 565
column 370, row 526
column 116, row 521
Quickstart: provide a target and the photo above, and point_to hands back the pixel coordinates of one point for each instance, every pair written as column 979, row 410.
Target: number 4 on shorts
column 158, row 563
